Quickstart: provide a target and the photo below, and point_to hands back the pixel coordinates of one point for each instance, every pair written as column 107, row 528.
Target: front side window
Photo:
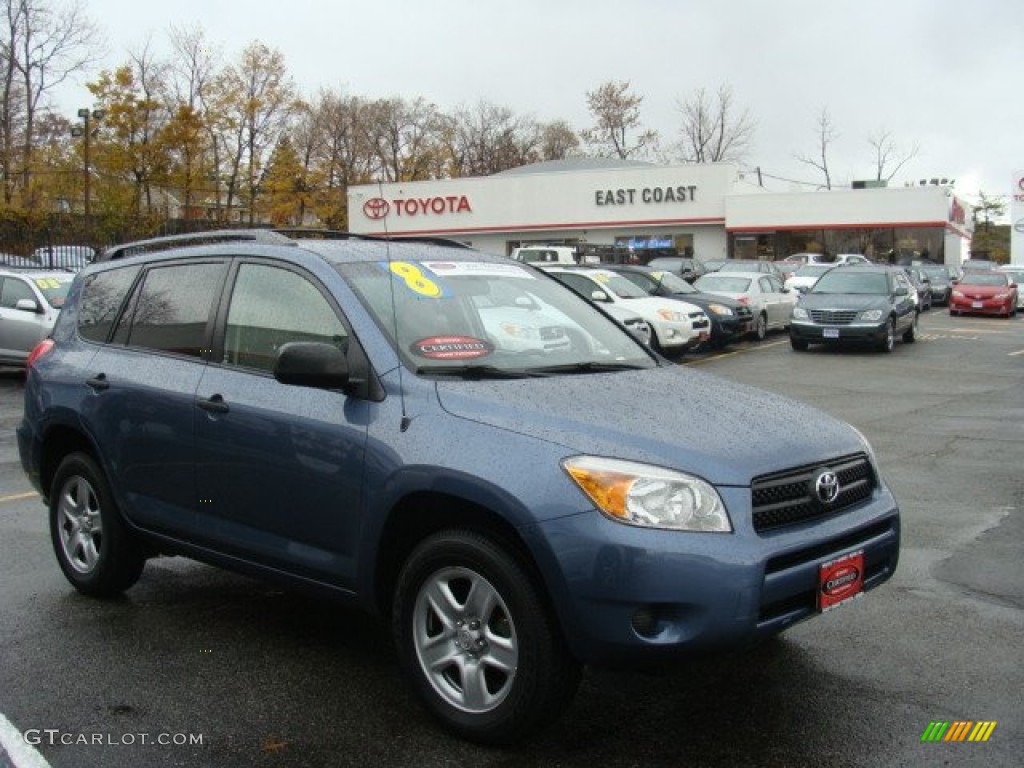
column 271, row 307
column 14, row 290
column 174, row 306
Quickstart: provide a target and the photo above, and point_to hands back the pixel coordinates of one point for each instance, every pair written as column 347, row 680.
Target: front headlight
column 653, row 497
column 958, row 294
column 718, row 309
column 671, row 315
column 872, row 315
column 799, row 313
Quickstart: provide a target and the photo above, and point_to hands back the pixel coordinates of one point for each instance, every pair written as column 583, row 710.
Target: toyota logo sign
column 376, row 208
column 826, row 486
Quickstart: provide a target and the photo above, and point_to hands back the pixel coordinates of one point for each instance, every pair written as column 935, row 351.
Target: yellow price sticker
column 415, row 279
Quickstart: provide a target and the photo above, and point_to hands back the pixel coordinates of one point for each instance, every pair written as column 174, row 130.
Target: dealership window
column 877, row 243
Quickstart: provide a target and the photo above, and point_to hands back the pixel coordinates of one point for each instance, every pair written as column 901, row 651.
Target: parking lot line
column 1014, row 354
column 18, row 496
column 720, row 355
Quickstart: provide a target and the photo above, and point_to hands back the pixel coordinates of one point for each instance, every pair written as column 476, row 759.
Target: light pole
column 86, row 133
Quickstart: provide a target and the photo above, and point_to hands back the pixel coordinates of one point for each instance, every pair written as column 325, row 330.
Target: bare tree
column 488, row 139
column 712, row 131
column 404, row 134
column 889, row 158
column 826, row 135
column 558, row 141
column 990, row 207
column 41, row 48
column 616, row 112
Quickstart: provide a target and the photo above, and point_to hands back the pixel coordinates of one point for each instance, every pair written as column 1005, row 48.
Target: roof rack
column 282, row 236
column 168, row 242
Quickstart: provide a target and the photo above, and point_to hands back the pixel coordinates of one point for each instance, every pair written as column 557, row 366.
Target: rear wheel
column 95, row 550
column 474, row 636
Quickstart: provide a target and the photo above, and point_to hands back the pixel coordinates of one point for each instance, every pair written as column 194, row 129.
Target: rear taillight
column 42, row 348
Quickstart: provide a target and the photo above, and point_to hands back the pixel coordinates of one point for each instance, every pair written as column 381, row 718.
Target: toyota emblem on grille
column 376, row 208
column 826, row 486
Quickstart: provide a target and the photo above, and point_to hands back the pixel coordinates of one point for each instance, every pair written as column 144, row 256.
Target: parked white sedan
column 770, row 301
column 806, row 276
column 675, row 325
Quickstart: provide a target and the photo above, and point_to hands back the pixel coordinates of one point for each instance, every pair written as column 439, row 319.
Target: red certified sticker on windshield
column 451, row 347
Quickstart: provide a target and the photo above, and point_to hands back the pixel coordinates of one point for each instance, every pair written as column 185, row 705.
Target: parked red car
column 984, row 293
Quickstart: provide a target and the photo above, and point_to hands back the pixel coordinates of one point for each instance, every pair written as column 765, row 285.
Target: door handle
column 98, row 383
column 213, row 404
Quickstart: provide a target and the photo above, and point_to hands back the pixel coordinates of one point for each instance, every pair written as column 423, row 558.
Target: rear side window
column 173, row 308
column 102, row 297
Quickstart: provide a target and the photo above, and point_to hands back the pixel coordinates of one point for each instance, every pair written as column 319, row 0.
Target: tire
column 910, row 335
column 798, row 344
column 98, row 555
column 760, row 328
column 886, row 345
column 474, row 636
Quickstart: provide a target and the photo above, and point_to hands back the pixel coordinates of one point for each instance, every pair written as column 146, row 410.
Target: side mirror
column 312, row 364
column 27, row 305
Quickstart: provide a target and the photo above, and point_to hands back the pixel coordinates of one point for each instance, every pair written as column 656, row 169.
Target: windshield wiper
column 477, row 372
column 590, row 367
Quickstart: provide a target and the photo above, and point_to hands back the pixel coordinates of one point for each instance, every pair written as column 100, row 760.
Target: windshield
column 845, row 281
column 486, row 318
column 54, row 288
column 936, row 273
column 668, row 280
column 723, row 283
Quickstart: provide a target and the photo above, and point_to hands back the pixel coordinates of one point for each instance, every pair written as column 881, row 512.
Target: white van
column 545, row 254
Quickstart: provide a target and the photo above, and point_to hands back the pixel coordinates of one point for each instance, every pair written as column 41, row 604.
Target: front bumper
column 634, row 596
column 854, row 333
column 982, row 306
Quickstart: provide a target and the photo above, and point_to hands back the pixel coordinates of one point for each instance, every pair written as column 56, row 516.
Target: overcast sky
column 937, row 74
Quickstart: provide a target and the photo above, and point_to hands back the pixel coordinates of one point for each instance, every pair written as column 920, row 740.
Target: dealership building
column 621, row 210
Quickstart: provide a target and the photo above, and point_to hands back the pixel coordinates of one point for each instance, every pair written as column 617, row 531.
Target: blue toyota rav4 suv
column 451, row 440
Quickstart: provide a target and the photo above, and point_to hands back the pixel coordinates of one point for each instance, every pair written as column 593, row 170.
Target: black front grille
column 834, row 316
column 789, row 497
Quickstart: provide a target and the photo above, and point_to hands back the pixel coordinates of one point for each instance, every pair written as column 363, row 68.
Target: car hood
column 703, row 299
column 853, row 301
column 689, row 420
column 983, row 290
column 649, row 307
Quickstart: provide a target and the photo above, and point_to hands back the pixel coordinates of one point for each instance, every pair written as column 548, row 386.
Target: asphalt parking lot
column 198, row 667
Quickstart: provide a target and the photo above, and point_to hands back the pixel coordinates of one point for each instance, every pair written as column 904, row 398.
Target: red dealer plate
column 840, row 580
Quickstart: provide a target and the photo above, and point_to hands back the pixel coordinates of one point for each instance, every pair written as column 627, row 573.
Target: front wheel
column 760, row 328
column 910, row 335
column 95, row 550
column 889, row 341
column 474, row 636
